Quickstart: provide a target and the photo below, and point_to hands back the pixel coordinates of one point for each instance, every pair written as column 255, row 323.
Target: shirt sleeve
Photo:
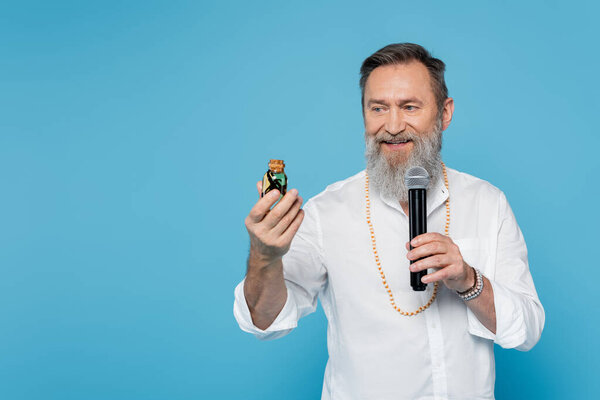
column 304, row 274
column 520, row 316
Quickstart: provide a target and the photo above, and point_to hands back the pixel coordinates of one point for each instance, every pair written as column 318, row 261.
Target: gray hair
column 402, row 53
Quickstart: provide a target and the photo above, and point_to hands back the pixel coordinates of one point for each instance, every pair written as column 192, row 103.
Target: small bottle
column 275, row 178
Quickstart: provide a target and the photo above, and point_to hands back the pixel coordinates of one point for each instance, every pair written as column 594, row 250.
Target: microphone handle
column 417, row 225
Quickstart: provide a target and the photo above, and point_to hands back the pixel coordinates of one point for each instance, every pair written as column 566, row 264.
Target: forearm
column 483, row 306
column 264, row 290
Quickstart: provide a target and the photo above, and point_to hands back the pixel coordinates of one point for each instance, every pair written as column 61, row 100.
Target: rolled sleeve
column 520, row 316
column 286, row 320
column 477, row 328
column 519, row 319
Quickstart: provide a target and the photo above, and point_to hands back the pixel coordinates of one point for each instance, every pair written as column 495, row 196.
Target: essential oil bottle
column 275, row 178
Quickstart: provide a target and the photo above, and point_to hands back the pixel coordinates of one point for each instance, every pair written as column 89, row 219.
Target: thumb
column 259, row 187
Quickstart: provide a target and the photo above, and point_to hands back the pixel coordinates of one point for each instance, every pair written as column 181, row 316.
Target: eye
column 377, row 109
column 410, row 108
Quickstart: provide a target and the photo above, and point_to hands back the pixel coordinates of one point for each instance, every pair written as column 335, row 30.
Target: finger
column 427, row 250
column 289, row 233
column 440, row 275
column 262, row 206
column 426, row 238
column 278, row 212
column 436, row 261
column 259, row 187
column 288, row 218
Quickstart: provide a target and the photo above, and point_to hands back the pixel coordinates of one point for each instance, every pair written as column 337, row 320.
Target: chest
column 350, row 250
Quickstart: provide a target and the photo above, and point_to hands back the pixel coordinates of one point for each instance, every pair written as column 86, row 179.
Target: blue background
column 132, row 135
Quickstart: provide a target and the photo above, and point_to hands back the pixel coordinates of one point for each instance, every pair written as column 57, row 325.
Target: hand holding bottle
column 271, row 230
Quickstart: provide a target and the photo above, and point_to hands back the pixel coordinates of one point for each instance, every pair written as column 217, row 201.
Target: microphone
column 417, row 180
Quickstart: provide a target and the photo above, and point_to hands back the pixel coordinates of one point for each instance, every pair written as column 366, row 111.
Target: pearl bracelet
column 475, row 290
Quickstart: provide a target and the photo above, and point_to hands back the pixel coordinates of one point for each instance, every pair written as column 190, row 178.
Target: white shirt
column 374, row 351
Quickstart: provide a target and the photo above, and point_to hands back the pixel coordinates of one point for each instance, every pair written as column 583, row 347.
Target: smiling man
column 347, row 246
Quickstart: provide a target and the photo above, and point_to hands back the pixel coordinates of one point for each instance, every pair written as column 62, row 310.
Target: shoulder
column 464, row 182
column 474, row 190
column 334, row 204
column 341, row 189
column 339, row 195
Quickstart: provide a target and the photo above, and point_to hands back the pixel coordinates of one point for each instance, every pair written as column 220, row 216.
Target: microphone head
column 416, row 178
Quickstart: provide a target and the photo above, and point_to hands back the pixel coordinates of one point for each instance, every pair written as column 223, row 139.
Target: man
column 346, row 247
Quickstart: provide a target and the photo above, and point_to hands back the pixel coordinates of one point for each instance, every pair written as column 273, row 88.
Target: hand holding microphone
column 431, row 250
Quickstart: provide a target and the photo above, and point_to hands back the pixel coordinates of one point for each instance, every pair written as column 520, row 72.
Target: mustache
column 385, row 137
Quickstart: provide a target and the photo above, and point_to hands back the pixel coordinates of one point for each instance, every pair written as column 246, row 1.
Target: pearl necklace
column 377, row 261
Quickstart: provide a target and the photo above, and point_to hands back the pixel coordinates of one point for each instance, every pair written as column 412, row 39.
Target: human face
column 399, row 102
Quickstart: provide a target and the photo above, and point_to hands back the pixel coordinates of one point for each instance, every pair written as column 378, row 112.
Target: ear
column 447, row 113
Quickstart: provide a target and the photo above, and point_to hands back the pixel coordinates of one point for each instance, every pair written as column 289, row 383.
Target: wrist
column 469, row 282
column 476, row 290
column 260, row 262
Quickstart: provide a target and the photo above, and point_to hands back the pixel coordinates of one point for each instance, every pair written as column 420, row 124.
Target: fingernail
column 425, row 279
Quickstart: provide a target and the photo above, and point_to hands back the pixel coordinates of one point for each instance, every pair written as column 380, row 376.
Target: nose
column 395, row 122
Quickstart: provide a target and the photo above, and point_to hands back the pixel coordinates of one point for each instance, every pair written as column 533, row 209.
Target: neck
column 404, row 205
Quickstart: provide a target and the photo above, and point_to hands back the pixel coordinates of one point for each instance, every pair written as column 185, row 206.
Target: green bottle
column 274, row 178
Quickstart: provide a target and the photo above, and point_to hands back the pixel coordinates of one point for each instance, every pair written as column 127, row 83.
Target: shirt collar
column 436, row 196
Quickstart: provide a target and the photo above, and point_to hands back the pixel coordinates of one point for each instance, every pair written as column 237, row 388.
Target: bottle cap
column 276, row 166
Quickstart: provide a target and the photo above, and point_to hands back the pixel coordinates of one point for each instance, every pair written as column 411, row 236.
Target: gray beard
column 388, row 175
